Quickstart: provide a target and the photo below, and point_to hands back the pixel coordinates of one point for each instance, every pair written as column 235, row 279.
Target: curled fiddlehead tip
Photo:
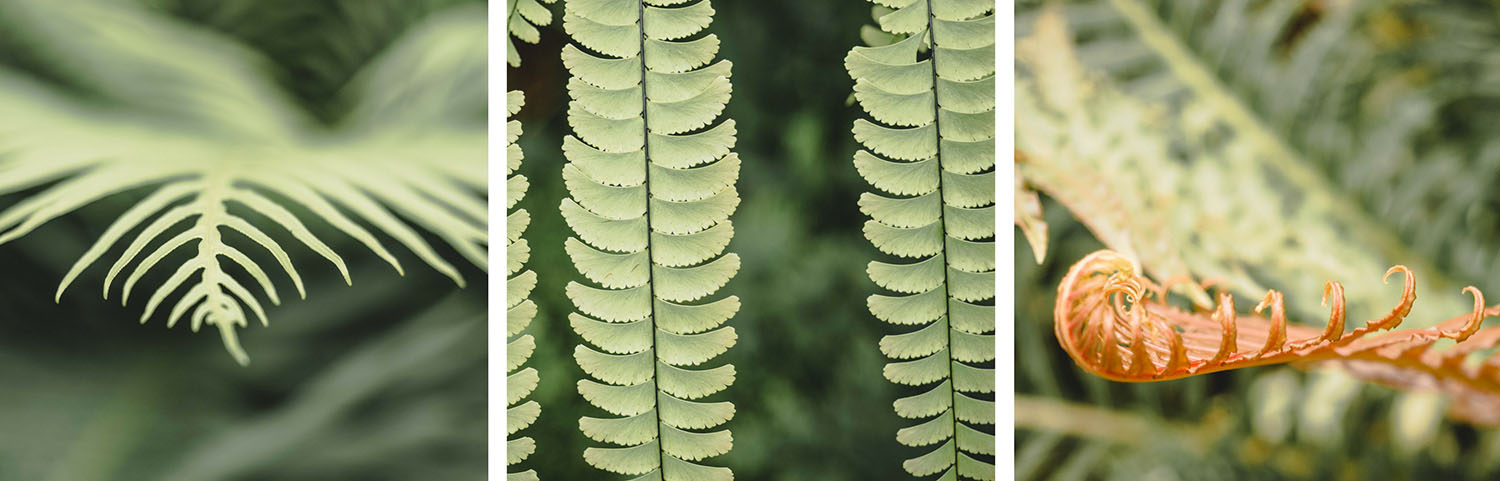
column 1118, row 324
column 1471, row 325
column 1336, row 315
column 1408, row 298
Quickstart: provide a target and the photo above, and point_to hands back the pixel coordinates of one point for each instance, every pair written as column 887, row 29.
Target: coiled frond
column 217, row 179
column 519, row 309
column 1117, row 324
column 521, row 24
column 652, row 189
column 929, row 86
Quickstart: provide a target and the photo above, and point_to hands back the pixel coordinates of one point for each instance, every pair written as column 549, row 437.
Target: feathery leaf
column 928, row 86
column 210, row 167
column 651, row 183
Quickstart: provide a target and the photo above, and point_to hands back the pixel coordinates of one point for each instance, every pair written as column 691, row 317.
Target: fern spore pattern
column 928, row 83
column 651, row 184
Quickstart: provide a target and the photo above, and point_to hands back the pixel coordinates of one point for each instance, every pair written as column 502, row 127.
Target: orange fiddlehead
column 1117, row 324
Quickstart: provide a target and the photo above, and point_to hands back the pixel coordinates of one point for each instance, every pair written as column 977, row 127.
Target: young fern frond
column 1118, row 325
column 522, row 22
column 519, row 309
column 930, row 88
column 206, row 176
column 652, row 189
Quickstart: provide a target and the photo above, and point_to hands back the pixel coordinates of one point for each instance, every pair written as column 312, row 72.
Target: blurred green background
column 1390, row 108
column 811, row 403
column 382, row 380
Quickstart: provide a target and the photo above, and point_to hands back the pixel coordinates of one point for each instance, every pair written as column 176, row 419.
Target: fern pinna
column 652, row 188
column 521, row 24
column 929, row 85
column 519, row 309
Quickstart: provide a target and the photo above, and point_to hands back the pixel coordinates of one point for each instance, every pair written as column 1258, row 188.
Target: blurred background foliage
column 811, row 404
column 1275, row 144
column 382, row 380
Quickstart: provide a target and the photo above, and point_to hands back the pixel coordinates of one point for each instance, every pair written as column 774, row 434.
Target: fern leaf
column 651, row 184
column 928, row 85
column 1118, row 324
column 1029, row 217
column 216, row 185
column 522, row 23
column 519, row 309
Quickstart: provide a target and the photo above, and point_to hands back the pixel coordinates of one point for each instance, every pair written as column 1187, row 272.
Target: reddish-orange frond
column 1117, row 324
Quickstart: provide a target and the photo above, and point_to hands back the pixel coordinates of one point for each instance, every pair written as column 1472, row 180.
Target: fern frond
column 1118, row 324
column 522, row 24
column 651, row 183
column 205, row 180
column 519, row 310
column 1029, row 216
column 929, row 86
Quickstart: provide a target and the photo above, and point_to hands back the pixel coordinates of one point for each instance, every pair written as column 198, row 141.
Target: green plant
column 519, row 310
column 932, row 145
column 651, row 192
column 223, row 155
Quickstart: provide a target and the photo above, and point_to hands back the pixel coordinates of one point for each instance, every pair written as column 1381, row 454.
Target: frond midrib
column 650, row 261
column 943, row 228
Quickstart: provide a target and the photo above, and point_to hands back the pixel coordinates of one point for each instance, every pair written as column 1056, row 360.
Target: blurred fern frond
column 190, row 116
column 1200, row 188
column 928, row 83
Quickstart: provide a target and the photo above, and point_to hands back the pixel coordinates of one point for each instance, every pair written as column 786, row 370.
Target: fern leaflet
column 519, row 309
column 652, row 188
column 932, row 145
column 207, row 168
column 525, row 16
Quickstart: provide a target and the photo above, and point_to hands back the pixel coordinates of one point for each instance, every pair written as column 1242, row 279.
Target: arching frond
column 651, row 181
column 521, row 24
column 519, row 310
column 227, row 193
column 927, row 82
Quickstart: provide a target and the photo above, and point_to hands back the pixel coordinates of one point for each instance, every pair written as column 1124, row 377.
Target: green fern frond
column 652, row 188
column 519, row 309
column 522, row 22
column 205, row 176
column 928, row 83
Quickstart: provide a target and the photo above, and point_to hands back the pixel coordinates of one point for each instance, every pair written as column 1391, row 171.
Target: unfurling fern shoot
column 519, row 309
column 652, row 187
column 929, row 85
